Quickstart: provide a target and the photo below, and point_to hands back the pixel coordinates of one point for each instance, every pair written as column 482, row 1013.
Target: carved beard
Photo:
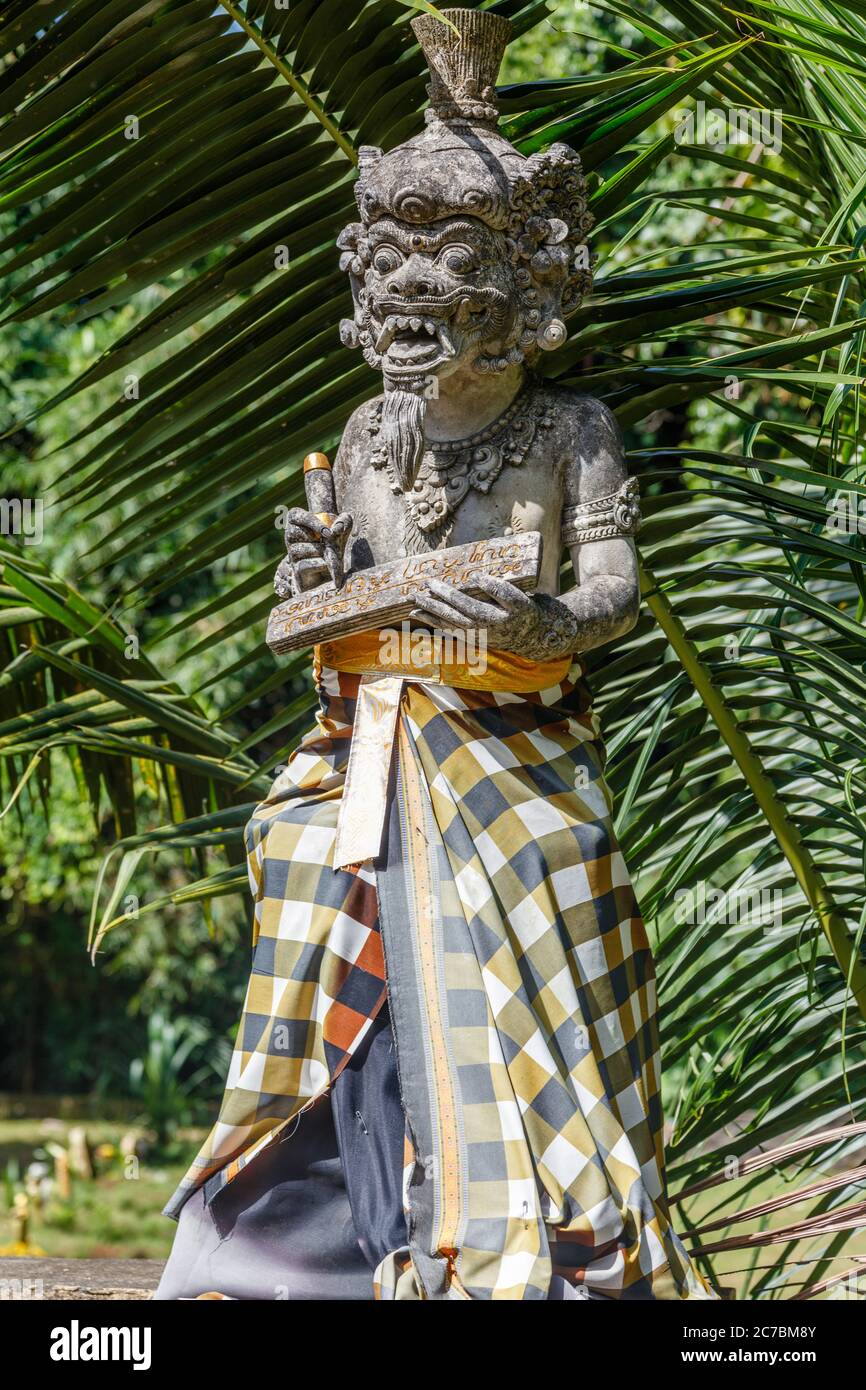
column 402, row 433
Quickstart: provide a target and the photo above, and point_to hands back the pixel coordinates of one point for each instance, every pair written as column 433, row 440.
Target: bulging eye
column 457, row 260
column 386, row 260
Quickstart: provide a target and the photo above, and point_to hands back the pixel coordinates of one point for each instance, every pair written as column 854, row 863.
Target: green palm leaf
column 183, row 171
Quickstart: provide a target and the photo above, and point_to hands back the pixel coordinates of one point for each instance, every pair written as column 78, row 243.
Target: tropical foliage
column 202, row 154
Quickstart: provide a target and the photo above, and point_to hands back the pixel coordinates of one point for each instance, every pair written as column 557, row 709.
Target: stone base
column 29, row 1280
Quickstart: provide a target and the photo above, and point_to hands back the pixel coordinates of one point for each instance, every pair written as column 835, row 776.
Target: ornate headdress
column 461, row 164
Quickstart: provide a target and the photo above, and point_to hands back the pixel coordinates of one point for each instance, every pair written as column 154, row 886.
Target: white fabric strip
column 361, row 818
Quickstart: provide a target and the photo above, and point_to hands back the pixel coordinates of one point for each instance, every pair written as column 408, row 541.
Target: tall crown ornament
column 461, row 167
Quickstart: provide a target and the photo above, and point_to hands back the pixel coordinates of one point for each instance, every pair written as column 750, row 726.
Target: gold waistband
column 364, row 654
column 381, row 693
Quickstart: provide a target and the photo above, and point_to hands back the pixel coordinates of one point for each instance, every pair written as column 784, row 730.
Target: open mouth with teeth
column 420, row 333
column 423, row 332
column 415, row 340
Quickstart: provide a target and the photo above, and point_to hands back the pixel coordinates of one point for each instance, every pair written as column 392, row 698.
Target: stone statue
column 451, row 1015
column 465, row 260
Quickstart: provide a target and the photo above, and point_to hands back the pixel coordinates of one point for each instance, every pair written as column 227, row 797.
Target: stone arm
column 604, row 602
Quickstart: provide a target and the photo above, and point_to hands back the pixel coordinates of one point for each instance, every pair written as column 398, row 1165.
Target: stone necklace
column 449, row 469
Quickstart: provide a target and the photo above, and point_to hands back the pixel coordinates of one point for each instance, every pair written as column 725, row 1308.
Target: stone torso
column 508, row 478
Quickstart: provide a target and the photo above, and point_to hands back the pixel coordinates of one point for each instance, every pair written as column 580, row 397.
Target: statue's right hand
column 315, row 550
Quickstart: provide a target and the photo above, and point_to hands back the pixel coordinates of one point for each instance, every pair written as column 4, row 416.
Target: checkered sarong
column 520, row 984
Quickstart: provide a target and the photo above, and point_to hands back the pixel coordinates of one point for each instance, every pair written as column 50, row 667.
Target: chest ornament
column 451, row 469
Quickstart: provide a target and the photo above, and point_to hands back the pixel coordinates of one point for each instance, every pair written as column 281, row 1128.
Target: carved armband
column 618, row 514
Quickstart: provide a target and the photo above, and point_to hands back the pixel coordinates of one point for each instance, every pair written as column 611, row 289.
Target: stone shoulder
column 586, row 438
column 357, row 440
column 577, row 417
column 363, row 417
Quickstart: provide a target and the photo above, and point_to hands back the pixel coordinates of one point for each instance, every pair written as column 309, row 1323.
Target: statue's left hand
column 532, row 625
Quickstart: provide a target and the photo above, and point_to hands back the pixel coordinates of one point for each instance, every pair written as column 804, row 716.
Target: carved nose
column 410, row 285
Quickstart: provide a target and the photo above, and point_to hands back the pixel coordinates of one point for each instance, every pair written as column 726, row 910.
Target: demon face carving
column 459, row 288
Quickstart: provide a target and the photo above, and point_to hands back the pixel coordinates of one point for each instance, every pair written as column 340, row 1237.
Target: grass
column 115, row 1215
